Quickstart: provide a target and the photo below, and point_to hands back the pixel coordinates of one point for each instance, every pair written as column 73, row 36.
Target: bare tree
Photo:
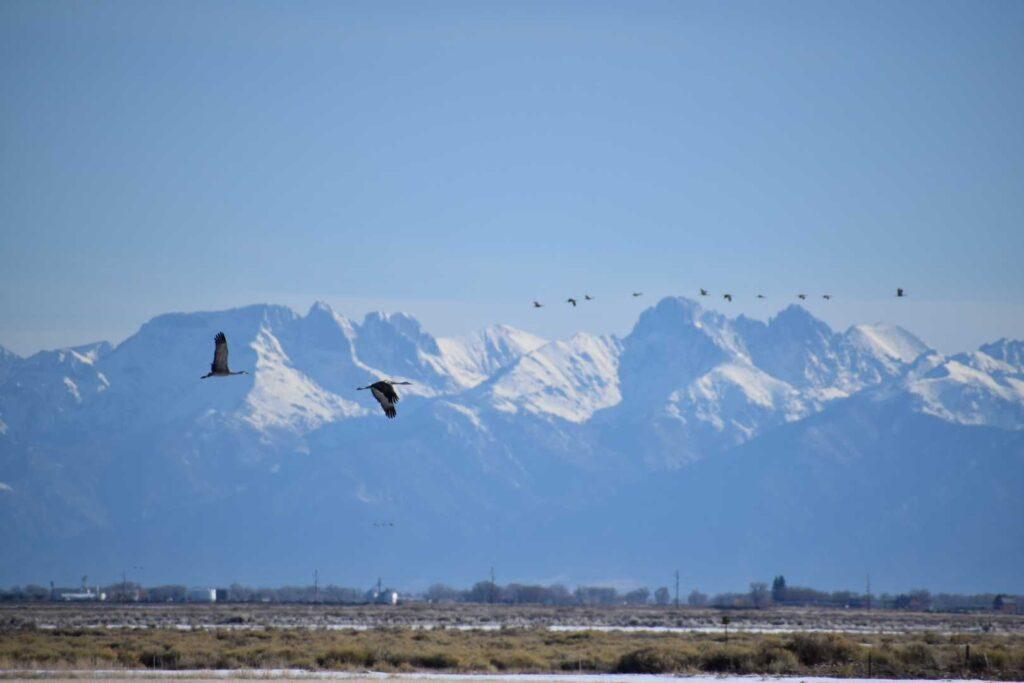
column 759, row 595
column 697, row 599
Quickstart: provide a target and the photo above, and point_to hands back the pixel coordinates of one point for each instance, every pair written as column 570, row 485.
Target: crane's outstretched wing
column 220, row 354
column 386, row 396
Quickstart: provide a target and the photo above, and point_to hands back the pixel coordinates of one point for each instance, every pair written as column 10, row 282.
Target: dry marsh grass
column 518, row 650
column 75, row 615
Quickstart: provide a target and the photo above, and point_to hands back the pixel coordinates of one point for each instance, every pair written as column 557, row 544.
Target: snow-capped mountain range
column 102, row 447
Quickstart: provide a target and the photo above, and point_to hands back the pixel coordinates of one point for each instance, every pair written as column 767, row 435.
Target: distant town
column 760, row 595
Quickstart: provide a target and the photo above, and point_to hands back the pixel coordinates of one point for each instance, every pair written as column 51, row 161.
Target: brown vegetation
column 518, row 650
column 65, row 615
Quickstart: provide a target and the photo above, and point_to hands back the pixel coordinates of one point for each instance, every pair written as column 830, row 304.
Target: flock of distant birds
column 384, row 390
column 703, row 292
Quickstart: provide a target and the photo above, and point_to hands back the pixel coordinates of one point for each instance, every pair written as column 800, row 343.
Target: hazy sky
column 459, row 160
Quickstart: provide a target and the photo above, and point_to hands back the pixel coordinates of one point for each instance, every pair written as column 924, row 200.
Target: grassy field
column 518, row 650
column 282, row 616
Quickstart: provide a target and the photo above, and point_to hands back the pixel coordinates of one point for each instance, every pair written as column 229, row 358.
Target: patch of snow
column 739, row 398
column 474, row 358
column 468, row 413
column 72, row 389
column 5, row 488
column 969, row 388
column 570, row 379
column 891, row 341
column 283, row 397
column 1010, row 351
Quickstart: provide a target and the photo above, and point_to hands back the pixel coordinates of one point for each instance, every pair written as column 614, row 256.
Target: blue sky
column 459, row 160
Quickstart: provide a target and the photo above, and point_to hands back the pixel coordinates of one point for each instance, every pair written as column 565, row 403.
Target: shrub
column 774, row 659
column 813, row 649
column 435, row 660
column 167, row 658
column 655, row 660
column 339, row 658
column 727, row 659
column 917, row 655
column 518, row 661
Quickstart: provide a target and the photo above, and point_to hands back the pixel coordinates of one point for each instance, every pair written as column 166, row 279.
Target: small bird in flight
column 572, row 301
column 826, row 297
column 703, row 292
column 899, row 292
column 587, row 297
column 638, row 293
column 384, row 391
column 727, row 297
column 219, row 366
column 537, row 304
column 760, row 296
column 801, row 296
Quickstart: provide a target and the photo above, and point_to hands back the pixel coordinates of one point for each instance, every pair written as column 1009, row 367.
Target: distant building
column 86, row 595
column 386, row 597
column 382, row 596
column 1007, row 604
column 202, row 595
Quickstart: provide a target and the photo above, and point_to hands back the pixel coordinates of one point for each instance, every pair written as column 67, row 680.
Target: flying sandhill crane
column 703, row 292
column 638, row 293
column 899, row 292
column 760, row 296
column 572, row 301
column 727, row 297
column 801, row 296
column 826, row 297
column 384, row 391
column 219, row 366
column 537, row 304
column 587, row 297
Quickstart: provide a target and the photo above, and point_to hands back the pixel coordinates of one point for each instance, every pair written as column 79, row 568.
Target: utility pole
column 493, row 587
column 316, row 585
column 677, row 588
column 869, row 592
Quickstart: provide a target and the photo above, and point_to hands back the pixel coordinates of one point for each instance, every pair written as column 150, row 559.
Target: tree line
column 760, row 595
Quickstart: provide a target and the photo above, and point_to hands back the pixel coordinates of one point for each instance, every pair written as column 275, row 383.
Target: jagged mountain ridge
column 496, row 426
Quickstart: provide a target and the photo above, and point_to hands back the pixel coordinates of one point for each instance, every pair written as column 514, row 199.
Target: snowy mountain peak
column 671, row 311
column 473, row 358
column 887, row 341
column 284, row 397
column 970, row 388
column 90, row 353
column 795, row 320
column 1007, row 350
column 320, row 306
column 570, row 379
